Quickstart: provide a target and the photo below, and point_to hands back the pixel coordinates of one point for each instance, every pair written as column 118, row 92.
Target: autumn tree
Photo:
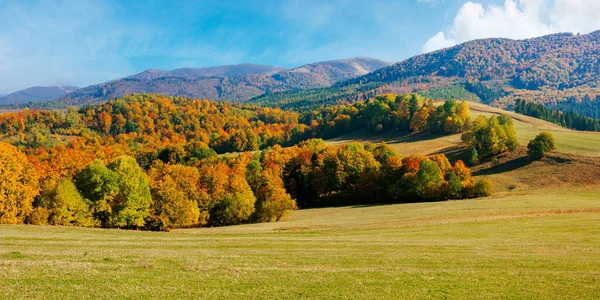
column 272, row 199
column 419, row 119
column 176, row 196
column 18, row 185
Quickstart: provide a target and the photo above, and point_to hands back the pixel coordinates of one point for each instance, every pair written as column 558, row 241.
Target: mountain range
column 36, row 93
column 552, row 69
column 235, row 83
column 559, row 70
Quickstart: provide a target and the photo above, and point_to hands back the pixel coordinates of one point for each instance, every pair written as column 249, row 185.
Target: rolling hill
column 36, row 93
column 539, row 230
column 576, row 161
column 229, row 83
column 549, row 69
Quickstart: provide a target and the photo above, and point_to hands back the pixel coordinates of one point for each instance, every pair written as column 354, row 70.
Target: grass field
column 543, row 245
column 537, row 237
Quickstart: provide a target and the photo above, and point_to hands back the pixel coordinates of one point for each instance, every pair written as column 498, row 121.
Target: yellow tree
column 176, row 194
column 419, row 119
column 18, row 185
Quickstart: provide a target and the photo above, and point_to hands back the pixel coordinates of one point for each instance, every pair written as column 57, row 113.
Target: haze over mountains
column 36, row 93
column 228, row 83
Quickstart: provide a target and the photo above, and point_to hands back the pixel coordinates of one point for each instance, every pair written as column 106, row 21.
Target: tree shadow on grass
column 407, row 137
column 455, row 153
column 508, row 166
column 390, row 137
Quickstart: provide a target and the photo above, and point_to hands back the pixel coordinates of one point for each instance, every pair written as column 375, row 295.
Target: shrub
column 483, row 188
column 540, row 145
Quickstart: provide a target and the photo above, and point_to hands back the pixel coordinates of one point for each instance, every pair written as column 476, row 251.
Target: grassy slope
column 537, row 237
column 518, row 246
column 568, row 141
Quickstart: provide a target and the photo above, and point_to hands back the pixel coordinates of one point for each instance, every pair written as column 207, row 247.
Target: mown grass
column 541, row 245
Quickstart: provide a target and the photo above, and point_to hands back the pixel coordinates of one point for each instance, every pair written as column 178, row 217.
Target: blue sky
column 86, row 42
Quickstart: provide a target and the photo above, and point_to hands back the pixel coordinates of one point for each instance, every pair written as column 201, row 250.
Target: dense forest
column 151, row 162
column 154, row 122
column 565, row 119
column 588, row 106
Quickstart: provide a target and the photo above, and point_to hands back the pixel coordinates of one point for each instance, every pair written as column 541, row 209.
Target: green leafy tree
column 428, row 180
column 119, row 192
column 540, row 145
column 99, row 185
column 132, row 204
column 491, row 136
column 67, row 206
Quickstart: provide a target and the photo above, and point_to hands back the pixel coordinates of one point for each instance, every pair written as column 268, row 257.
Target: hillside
column 547, row 69
column 36, row 93
column 576, row 160
column 235, row 83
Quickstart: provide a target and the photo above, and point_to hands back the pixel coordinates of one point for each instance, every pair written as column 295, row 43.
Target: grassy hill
column 537, row 237
column 576, row 161
column 568, row 141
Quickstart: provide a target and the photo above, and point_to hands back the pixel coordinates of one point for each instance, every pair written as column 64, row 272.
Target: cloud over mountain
column 517, row 19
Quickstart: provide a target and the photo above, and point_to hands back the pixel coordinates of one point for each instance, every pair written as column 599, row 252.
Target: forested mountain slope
column 549, row 70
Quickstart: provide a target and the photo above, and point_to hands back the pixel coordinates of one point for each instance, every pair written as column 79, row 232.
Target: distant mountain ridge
column 236, row 83
column 548, row 69
column 36, row 93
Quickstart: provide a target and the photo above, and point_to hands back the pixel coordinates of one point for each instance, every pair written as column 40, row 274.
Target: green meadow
column 538, row 245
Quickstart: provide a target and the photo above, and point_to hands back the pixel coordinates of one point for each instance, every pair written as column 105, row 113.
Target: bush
column 483, row 188
column 540, row 145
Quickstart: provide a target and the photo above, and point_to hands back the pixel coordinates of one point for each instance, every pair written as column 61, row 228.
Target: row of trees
column 488, row 137
column 408, row 112
column 565, row 119
column 114, row 191
column 151, row 162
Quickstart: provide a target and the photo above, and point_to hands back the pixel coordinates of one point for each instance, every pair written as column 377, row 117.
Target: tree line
column 568, row 119
column 111, row 190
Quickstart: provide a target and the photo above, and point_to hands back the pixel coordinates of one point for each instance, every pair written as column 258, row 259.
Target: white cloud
column 438, row 41
column 518, row 19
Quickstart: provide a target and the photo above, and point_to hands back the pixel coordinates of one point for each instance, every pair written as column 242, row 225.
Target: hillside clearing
column 568, row 141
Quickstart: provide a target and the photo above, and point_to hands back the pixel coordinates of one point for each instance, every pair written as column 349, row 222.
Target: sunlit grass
column 539, row 245
column 568, row 141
